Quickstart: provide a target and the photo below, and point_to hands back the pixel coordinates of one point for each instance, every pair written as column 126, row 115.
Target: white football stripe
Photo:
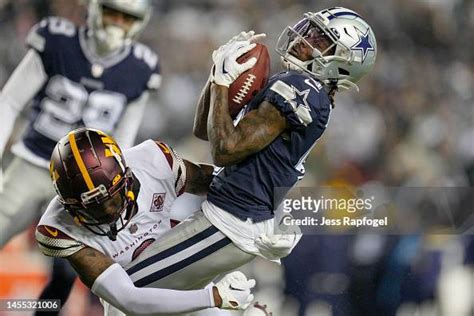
column 303, row 115
column 286, row 91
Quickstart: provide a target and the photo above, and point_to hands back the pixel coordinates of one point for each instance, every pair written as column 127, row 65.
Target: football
column 249, row 83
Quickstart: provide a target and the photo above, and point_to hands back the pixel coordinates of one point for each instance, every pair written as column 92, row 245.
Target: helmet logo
column 113, row 149
column 363, row 44
column 53, row 172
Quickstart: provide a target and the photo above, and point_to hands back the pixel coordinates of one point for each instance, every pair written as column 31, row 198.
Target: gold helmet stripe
column 80, row 162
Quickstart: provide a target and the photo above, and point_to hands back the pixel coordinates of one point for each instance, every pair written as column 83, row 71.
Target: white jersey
column 162, row 176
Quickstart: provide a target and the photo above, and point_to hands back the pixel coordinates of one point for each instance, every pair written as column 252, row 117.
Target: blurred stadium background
column 410, row 125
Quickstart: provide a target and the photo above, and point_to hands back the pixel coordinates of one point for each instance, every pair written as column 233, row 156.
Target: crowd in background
column 411, row 124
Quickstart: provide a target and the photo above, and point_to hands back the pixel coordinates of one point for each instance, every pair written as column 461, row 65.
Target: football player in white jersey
column 111, row 205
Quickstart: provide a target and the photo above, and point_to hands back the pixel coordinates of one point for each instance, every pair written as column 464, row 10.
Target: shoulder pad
column 148, row 57
column 47, row 29
column 296, row 96
column 176, row 164
column 54, row 243
column 145, row 54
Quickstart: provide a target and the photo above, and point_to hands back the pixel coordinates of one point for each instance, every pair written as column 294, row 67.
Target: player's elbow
column 223, row 156
column 126, row 307
column 220, row 161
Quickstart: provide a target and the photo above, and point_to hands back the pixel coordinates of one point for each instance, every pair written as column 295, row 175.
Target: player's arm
column 231, row 144
column 255, row 131
column 89, row 264
column 27, row 79
column 202, row 109
column 202, row 112
column 110, row 281
column 198, row 177
column 188, row 176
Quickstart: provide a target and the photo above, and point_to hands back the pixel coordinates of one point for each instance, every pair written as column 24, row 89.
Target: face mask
column 111, row 37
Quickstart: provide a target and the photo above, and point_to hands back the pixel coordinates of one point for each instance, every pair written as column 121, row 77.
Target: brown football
column 249, row 83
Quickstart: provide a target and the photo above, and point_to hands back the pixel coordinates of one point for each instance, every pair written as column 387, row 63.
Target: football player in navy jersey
column 96, row 75
column 264, row 148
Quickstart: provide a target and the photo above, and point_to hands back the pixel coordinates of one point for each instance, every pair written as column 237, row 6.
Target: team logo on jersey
column 296, row 99
column 158, row 202
column 133, row 228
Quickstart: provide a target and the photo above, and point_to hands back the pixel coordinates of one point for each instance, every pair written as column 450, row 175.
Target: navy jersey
column 82, row 89
column 246, row 189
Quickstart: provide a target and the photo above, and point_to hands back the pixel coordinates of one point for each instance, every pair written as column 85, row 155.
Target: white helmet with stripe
column 342, row 46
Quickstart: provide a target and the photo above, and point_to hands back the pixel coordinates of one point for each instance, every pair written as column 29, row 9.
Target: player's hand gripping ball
column 244, row 67
column 250, row 82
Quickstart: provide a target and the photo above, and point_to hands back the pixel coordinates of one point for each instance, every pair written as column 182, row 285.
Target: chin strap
column 112, row 233
column 344, row 84
column 292, row 63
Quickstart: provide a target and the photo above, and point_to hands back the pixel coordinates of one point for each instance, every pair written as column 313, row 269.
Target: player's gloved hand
column 243, row 36
column 235, row 291
column 226, row 68
column 247, row 36
column 279, row 245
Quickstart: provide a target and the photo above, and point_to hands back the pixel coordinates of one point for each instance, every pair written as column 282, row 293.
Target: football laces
column 263, row 308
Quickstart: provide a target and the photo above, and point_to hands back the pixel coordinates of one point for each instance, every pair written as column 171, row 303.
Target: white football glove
column 247, row 36
column 243, row 36
column 235, row 291
column 279, row 246
column 226, row 68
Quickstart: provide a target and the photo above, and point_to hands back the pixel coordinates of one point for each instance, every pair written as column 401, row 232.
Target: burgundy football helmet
column 92, row 181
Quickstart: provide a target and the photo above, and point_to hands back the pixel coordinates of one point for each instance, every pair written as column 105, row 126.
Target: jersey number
column 62, row 26
column 67, row 103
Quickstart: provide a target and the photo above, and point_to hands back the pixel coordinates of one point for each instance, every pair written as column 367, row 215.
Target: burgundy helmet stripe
column 79, row 161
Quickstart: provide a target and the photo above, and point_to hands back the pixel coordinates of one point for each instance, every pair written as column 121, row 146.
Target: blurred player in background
column 110, row 206
column 96, row 76
column 325, row 51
